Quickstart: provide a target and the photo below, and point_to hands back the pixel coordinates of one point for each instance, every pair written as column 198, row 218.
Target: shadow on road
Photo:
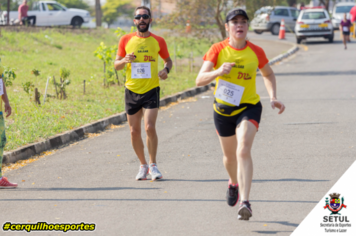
column 280, row 201
column 271, row 232
column 289, row 180
column 140, row 200
column 279, row 222
column 254, row 181
column 81, row 189
column 318, row 73
column 111, row 199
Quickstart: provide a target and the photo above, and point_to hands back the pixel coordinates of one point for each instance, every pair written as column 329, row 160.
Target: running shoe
column 154, row 172
column 142, row 173
column 245, row 211
column 4, row 183
column 232, row 195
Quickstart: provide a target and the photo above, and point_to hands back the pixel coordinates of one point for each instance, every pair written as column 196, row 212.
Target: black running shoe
column 245, row 211
column 232, row 195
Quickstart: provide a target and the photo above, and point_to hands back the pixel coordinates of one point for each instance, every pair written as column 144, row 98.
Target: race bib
column 141, row 70
column 345, row 29
column 1, row 87
column 229, row 92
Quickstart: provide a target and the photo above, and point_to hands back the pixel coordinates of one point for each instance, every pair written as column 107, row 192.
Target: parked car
column 314, row 23
column 338, row 12
column 49, row 13
column 269, row 19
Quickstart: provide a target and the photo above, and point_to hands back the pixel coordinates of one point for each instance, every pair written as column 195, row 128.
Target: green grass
column 48, row 51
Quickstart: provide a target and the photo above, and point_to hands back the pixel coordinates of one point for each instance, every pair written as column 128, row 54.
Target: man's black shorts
column 226, row 125
column 135, row 102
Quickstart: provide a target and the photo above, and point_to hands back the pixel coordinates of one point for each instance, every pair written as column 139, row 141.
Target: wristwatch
column 167, row 69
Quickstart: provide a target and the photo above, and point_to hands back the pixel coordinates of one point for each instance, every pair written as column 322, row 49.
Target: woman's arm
column 206, row 75
column 270, row 83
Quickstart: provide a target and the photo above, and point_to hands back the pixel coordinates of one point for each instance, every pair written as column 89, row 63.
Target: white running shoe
column 154, row 172
column 142, row 173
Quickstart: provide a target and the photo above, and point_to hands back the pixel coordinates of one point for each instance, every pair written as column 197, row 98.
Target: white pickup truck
column 50, row 13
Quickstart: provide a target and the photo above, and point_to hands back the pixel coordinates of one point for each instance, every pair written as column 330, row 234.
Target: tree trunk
column 219, row 21
column 326, row 4
column 117, row 77
column 37, row 97
column 98, row 13
column 291, row 3
column 8, row 13
column 55, row 86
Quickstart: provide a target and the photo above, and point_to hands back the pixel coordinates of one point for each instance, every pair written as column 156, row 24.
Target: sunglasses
column 144, row 16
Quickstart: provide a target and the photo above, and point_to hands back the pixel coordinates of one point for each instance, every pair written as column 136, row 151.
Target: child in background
column 4, row 183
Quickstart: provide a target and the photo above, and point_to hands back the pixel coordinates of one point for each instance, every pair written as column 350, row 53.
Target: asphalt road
column 297, row 157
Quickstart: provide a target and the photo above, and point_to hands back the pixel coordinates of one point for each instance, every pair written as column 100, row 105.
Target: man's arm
column 120, row 62
column 163, row 74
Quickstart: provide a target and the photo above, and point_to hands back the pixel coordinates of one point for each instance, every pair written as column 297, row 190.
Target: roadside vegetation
column 67, row 59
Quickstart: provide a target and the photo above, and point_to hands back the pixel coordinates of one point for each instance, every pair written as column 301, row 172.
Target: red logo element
column 245, row 76
column 149, row 58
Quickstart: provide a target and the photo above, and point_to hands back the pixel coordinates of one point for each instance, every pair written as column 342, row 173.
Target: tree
column 326, row 3
column 291, row 3
column 201, row 13
column 98, row 13
column 112, row 9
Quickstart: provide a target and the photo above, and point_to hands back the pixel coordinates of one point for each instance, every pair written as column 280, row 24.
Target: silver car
column 339, row 10
column 269, row 19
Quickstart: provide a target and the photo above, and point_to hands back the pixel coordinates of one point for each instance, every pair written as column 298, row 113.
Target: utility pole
column 8, row 12
column 98, row 13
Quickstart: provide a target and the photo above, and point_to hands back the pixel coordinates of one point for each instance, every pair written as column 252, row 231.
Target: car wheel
column 299, row 40
column 275, row 29
column 258, row 31
column 331, row 38
column 77, row 22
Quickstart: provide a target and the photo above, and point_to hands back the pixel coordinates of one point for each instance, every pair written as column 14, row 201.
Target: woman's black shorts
column 346, row 33
column 226, row 125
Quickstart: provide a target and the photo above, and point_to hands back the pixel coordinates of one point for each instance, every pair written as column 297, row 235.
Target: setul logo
column 334, row 206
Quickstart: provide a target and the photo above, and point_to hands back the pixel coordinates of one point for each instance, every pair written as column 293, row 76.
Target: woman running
column 345, row 29
column 237, row 107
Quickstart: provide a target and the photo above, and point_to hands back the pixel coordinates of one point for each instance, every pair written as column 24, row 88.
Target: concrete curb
column 284, row 55
column 58, row 140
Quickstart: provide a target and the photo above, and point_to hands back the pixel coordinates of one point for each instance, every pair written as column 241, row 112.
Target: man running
column 139, row 51
column 237, row 106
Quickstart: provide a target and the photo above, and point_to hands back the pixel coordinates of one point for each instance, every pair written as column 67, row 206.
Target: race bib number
column 345, row 29
column 229, row 92
column 1, row 87
column 141, row 70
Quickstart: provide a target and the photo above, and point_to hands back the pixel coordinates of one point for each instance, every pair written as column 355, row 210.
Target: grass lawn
column 48, row 51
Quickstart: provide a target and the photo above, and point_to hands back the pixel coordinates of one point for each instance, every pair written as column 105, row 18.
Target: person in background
column 345, row 29
column 23, row 17
column 353, row 18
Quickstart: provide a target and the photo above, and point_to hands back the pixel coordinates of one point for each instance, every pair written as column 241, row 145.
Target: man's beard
column 143, row 30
